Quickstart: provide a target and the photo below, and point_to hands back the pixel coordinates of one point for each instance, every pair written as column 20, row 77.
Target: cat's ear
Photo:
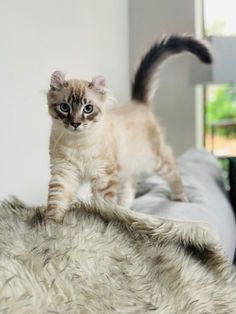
column 98, row 84
column 57, row 80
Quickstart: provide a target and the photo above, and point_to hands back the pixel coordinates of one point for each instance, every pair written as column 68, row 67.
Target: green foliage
column 221, row 105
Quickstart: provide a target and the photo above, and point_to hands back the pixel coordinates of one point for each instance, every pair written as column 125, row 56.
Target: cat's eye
column 88, row 109
column 64, row 107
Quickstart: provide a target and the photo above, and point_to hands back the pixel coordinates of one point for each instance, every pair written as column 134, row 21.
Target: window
column 220, row 100
column 219, row 18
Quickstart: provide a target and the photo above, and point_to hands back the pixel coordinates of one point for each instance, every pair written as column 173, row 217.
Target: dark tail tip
column 206, row 57
column 199, row 48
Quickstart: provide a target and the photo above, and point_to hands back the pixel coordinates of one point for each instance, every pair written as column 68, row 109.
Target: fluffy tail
column 145, row 85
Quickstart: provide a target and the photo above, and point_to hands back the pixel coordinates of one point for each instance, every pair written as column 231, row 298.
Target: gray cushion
column 208, row 200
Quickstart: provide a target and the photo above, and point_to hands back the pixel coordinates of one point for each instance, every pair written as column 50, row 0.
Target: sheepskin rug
column 116, row 262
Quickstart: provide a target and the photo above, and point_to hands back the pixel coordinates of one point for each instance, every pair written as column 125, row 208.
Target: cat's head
column 76, row 105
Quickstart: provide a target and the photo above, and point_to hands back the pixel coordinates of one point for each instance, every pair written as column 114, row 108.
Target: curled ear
column 98, row 84
column 57, row 80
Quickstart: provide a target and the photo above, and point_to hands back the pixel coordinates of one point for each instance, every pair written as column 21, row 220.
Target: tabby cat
column 96, row 150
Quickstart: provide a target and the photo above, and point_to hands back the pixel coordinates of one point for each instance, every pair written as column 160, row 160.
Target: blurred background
column 195, row 105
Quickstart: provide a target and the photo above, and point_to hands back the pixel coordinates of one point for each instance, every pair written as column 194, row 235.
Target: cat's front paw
column 53, row 214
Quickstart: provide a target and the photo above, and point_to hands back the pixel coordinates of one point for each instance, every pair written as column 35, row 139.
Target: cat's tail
column 145, row 79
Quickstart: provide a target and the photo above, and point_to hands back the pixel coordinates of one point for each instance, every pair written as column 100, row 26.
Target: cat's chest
column 92, row 175
column 84, row 192
column 89, row 164
column 92, row 165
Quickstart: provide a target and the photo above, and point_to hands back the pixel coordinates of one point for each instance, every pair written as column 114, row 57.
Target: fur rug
column 112, row 261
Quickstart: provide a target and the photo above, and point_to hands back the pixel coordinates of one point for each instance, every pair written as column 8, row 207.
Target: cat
column 100, row 151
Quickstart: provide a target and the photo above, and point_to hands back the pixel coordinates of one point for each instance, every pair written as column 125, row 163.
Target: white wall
column 81, row 37
column 175, row 100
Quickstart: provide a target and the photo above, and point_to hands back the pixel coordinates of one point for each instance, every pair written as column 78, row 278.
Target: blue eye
column 64, row 107
column 88, row 109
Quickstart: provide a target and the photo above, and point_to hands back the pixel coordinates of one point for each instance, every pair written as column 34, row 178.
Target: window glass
column 220, row 119
column 220, row 17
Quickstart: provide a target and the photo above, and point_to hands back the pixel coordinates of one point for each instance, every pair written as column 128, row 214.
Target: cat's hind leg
column 166, row 168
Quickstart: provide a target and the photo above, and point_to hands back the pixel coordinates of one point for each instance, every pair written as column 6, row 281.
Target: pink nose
column 75, row 125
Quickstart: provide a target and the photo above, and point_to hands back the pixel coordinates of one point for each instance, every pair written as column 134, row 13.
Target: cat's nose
column 75, row 124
